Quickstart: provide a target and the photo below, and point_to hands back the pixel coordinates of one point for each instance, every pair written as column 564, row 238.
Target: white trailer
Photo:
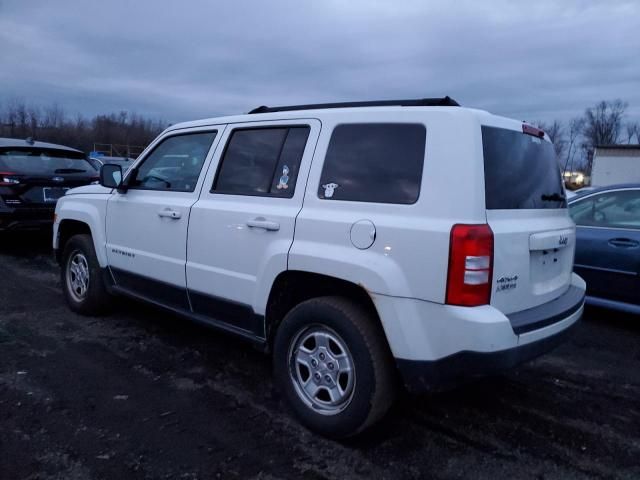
column 613, row 164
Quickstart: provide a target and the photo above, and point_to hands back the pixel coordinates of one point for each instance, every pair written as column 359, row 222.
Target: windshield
column 520, row 171
column 37, row 161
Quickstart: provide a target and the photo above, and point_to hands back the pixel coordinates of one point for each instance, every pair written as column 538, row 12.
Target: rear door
column 608, row 243
column 534, row 236
column 241, row 228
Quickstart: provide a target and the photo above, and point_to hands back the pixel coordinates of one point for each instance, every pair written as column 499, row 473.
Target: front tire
column 334, row 367
column 81, row 277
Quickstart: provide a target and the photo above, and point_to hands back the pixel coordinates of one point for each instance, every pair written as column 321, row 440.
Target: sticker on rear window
column 329, row 189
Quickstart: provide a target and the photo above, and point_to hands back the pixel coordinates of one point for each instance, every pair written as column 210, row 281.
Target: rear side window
column 520, row 171
column 262, row 161
column 374, row 162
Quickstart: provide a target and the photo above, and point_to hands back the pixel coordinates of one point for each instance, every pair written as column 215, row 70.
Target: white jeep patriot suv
column 360, row 243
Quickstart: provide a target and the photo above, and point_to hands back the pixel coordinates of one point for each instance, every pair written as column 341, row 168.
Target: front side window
column 619, row 209
column 374, row 162
column 175, row 164
column 262, row 161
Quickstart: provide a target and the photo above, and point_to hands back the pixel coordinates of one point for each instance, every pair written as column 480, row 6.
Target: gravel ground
column 142, row 394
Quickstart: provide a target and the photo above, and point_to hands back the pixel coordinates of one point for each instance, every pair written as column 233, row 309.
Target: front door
column 147, row 226
column 608, row 243
column 242, row 227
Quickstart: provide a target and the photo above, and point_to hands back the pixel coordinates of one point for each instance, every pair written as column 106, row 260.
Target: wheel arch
column 81, row 215
column 292, row 287
column 67, row 229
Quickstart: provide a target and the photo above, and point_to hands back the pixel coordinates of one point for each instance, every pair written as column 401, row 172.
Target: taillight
column 7, row 179
column 470, row 265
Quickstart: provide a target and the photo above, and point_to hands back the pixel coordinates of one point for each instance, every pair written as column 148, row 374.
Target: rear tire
column 81, row 277
column 333, row 364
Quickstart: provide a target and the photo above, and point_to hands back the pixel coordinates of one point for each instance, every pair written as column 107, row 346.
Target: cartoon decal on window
column 329, row 188
column 284, row 179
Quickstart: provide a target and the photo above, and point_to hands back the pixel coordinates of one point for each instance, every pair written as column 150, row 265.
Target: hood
column 89, row 189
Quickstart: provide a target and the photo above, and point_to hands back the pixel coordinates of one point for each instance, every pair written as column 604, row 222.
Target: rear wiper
column 554, row 197
column 69, row 170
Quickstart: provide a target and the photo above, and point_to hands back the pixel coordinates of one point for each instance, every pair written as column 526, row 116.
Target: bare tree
column 633, row 130
column 574, row 134
column 54, row 116
column 20, row 120
column 33, row 114
column 555, row 130
column 603, row 123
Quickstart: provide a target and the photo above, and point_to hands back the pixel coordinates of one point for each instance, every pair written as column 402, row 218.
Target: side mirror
column 111, row 176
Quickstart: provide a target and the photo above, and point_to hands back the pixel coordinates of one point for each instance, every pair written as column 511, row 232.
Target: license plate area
column 549, row 269
column 546, row 263
column 53, row 194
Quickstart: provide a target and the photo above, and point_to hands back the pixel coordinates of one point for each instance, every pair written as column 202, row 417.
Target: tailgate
column 533, row 257
column 534, row 236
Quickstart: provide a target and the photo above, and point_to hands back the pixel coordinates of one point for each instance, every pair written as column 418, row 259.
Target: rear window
column 374, row 162
column 520, row 171
column 38, row 161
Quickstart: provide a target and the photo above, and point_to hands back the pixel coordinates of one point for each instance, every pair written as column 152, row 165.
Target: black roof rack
column 420, row 102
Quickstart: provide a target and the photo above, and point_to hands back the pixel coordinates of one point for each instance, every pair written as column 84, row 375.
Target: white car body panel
column 133, row 219
column 92, row 189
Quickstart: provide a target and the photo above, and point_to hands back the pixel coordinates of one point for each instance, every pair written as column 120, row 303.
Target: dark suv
column 33, row 176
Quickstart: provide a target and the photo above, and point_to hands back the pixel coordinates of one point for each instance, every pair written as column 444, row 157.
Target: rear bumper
column 420, row 376
column 548, row 313
column 437, row 345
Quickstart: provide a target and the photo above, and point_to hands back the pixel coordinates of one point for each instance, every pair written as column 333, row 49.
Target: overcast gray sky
column 181, row 60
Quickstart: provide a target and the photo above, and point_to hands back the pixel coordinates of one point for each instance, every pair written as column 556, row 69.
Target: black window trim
column 424, row 160
column 244, row 127
column 160, row 142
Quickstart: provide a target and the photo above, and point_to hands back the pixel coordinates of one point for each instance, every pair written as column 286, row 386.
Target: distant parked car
column 608, row 245
column 33, row 176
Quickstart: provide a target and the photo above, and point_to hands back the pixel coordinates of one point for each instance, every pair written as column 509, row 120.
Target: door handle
column 623, row 242
column 261, row 222
column 169, row 213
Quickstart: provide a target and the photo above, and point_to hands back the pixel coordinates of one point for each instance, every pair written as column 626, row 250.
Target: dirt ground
column 141, row 394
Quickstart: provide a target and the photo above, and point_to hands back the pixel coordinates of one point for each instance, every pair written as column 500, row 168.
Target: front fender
column 90, row 210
